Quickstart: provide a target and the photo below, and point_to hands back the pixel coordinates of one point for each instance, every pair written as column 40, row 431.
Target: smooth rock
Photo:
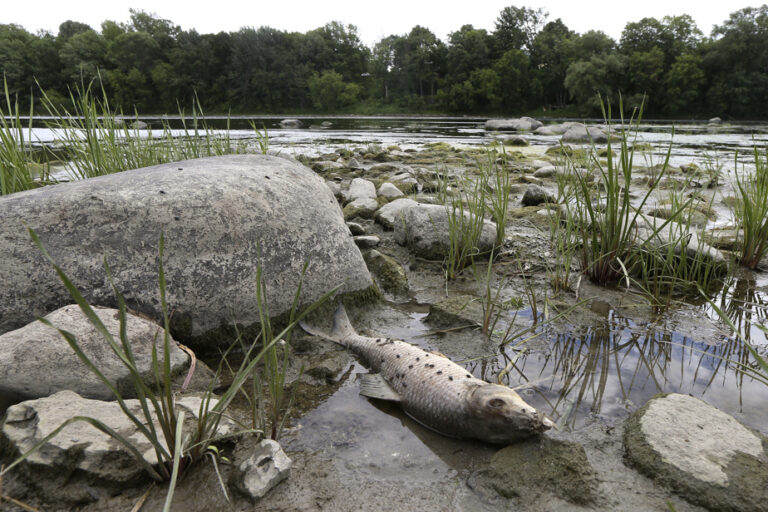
column 291, row 123
column 364, row 207
column 80, row 450
column 393, row 213
column 390, row 191
column 455, row 311
column 36, row 360
column 354, row 164
column 361, row 188
column 513, row 140
column 691, row 244
column 526, row 124
column 367, row 241
column 586, row 134
column 702, row 453
column 715, row 120
column 220, row 216
column 555, row 129
column 545, row 172
column 326, row 124
column 426, row 231
column 267, row 466
column 535, row 195
column 538, row 164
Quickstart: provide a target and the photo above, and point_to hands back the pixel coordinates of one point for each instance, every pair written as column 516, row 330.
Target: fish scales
column 435, row 391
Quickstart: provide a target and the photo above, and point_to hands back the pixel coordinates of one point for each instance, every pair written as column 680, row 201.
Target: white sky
column 373, row 19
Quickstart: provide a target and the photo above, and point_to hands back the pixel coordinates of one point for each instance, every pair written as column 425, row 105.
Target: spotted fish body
column 437, row 392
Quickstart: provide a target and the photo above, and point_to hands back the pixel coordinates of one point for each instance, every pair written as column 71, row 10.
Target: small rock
column 538, row 164
column 425, row 231
column 361, row 189
column 355, row 228
column 326, row 124
column 364, row 207
column 354, row 164
column 392, row 213
column 703, row 454
column 513, row 140
column 388, row 272
column 585, row 134
column 267, row 466
column 390, row 191
column 535, row 195
column 715, row 120
column 290, row 123
column 545, row 172
column 367, row 241
column 455, row 311
column 335, row 189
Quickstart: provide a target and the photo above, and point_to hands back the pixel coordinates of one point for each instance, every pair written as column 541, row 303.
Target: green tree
column 82, row 56
column 518, row 88
column 516, row 28
column 330, row 92
column 602, row 74
column 551, row 54
column 684, row 82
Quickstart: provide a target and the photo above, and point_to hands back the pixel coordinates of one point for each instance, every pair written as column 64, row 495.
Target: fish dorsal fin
column 373, row 385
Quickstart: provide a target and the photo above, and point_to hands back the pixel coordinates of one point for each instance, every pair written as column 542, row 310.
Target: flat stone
column 291, row 123
column 702, row 453
column 36, row 360
column 584, row 134
column 80, row 450
column 455, row 311
column 266, row 467
column 363, row 207
column 538, row 164
column 393, row 213
column 220, row 216
column 545, row 172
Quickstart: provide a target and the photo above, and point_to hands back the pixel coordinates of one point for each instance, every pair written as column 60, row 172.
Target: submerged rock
column 425, row 230
column 80, row 454
column 291, row 123
column 267, row 466
column 221, row 216
column 703, row 454
column 36, row 360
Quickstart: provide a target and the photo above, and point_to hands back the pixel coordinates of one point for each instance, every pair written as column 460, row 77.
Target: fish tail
column 341, row 330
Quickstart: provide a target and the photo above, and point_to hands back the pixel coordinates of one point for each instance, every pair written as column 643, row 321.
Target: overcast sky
column 373, row 19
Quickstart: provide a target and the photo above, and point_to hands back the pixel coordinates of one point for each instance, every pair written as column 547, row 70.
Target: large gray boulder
column 36, row 360
column 584, row 134
column 523, row 124
column 425, row 230
column 221, row 216
column 703, row 454
column 80, row 447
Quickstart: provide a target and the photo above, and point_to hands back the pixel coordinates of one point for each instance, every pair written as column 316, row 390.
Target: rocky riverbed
column 616, row 374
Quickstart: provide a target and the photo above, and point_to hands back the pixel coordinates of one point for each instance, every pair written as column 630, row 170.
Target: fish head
column 499, row 415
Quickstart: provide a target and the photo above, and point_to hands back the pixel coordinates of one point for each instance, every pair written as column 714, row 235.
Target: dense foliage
column 525, row 65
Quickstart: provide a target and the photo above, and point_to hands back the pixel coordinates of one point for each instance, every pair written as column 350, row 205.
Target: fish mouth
column 547, row 424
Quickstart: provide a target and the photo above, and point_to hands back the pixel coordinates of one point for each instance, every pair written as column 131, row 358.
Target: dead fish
column 435, row 391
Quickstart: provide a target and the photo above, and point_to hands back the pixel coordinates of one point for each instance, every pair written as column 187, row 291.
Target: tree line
column 526, row 64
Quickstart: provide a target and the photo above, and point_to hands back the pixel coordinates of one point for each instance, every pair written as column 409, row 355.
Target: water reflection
column 613, row 368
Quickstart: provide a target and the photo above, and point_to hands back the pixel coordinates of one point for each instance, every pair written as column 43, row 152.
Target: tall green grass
column 101, row 140
column 18, row 169
column 751, row 211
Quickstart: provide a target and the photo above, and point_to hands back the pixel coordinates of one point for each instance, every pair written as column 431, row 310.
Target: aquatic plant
column 751, row 211
column 160, row 422
column 494, row 174
column 18, row 169
column 465, row 208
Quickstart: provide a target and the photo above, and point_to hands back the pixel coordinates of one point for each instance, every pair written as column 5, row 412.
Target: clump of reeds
column 18, row 169
column 751, row 211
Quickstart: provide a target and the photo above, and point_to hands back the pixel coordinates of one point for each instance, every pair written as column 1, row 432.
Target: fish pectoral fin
column 373, row 385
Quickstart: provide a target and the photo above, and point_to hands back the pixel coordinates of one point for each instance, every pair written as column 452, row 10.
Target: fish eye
column 496, row 402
